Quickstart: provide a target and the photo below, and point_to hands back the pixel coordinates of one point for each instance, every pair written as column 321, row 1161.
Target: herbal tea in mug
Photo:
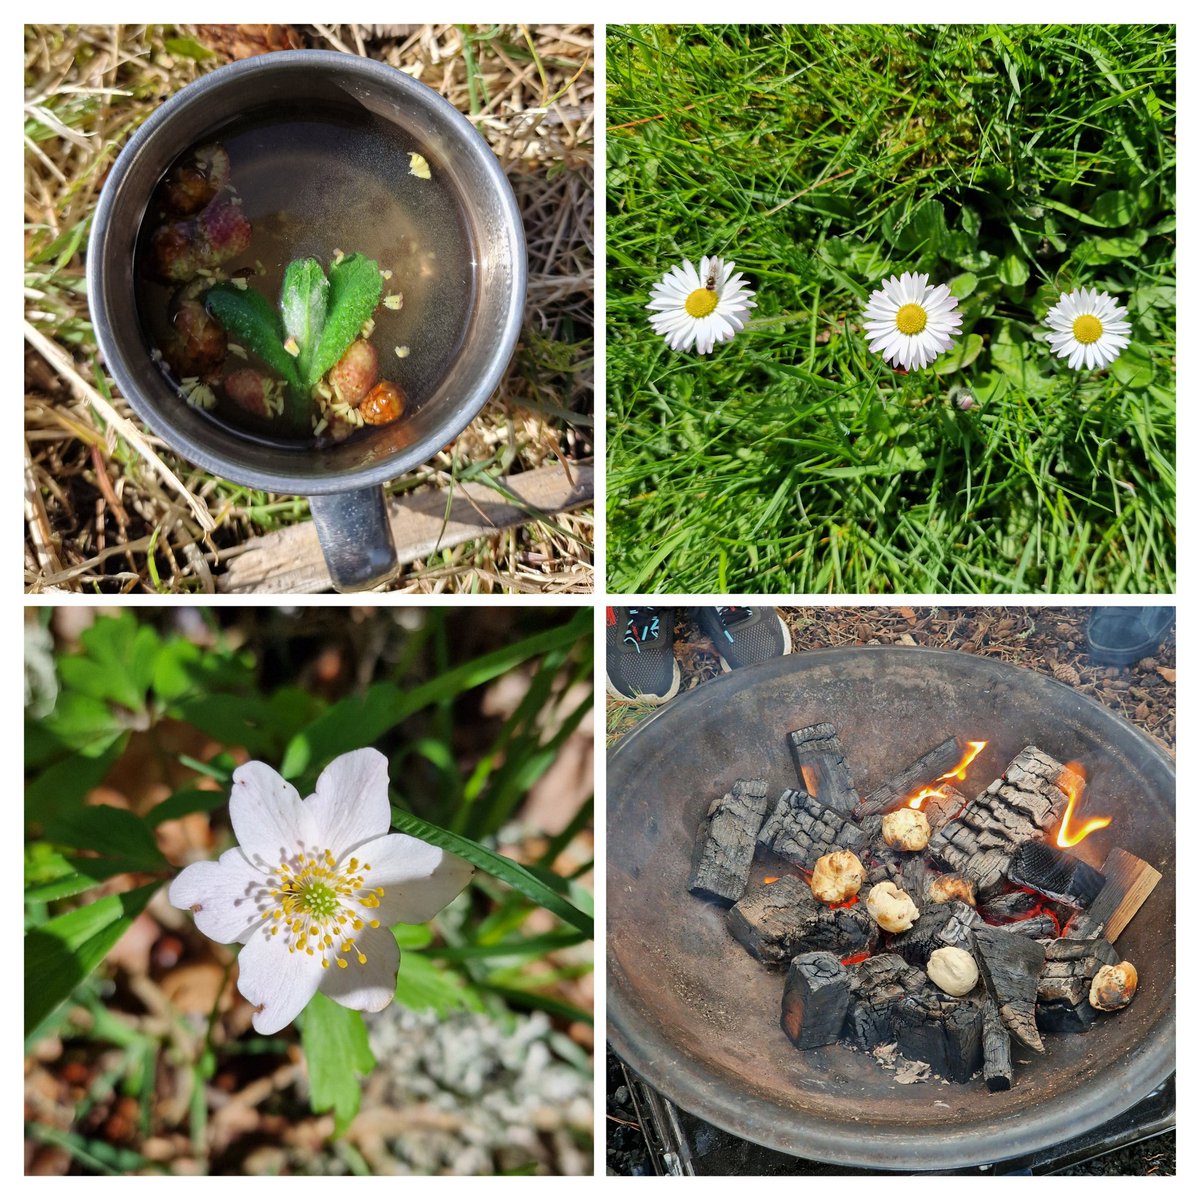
column 302, row 274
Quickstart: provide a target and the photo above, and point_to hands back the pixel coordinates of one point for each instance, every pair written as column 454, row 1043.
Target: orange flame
column 770, row 879
column 959, row 772
column 1067, row 783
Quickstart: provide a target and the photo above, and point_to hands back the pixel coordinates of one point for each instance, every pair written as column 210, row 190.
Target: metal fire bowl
column 695, row 1015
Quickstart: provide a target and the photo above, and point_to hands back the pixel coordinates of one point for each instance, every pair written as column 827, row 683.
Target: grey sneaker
column 742, row 636
column 640, row 658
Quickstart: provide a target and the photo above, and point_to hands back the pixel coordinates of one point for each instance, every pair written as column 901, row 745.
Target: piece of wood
column 1040, row 925
column 1065, row 982
column 1055, row 873
column 877, row 985
column 290, row 560
column 801, row 829
column 924, row 772
column 944, row 1031
column 938, row 925
column 997, row 1049
column 821, row 767
column 815, row 999
column 725, row 842
column 1128, row 882
column 1011, row 966
column 1017, row 808
column 780, row 920
column 1009, row 906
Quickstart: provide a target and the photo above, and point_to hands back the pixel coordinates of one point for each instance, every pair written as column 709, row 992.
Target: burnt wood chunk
column 1042, row 925
column 1065, row 981
column 924, row 772
column 942, row 808
column 938, row 925
column 943, row 1031
column 997, row 1049
column 780, row 920
column 815, row 999
column 1011, row 965
column 1016, row 808
column 1128, row 881
column 1055, row 873
column 801, row 829
column 821, row 767
column 908, row 871
column 877, row 985
column 725, row 842
column 1009, row 906
column 771, row 921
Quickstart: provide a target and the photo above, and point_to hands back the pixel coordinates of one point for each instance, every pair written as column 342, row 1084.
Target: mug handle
column 356, row 538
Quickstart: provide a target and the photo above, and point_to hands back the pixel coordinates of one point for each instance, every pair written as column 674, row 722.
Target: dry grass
column 107, row 507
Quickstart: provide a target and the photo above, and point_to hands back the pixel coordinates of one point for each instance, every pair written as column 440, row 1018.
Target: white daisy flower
column 1087, row 326
column 312, row 887
column 911, row 322
column 705, row 306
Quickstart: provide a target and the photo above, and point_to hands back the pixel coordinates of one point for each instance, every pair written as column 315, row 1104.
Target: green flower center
column 1087, row 329
column 318, row 899
column 700, row 303
column 911, row 319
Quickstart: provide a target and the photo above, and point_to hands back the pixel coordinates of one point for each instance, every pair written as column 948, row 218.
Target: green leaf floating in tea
column 319, row 319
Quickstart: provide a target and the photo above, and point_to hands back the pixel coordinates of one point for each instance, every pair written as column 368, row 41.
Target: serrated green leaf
column 423, row 986
column 962, row 355
column 249, row 318
column 1013, row 270
column 337, row 1051
column 116, row 662
column 68, row 948
column 355, row 286
column 504, row 869
column 303, row 301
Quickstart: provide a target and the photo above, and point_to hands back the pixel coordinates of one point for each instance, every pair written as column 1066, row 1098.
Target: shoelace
column 731, row 614
column 642, row 626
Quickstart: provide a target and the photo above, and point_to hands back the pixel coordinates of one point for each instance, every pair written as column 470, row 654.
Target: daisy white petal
column 418, row 879
column 268, row 816
column 702, row 307
column 277, row 983
column 909, row 322
column 1087, row 329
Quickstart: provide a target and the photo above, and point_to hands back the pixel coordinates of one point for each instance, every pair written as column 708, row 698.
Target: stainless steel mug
column 343, row 481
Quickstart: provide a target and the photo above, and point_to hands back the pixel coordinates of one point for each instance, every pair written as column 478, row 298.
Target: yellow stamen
column 911, row 319
column 1087, row 329
column 700, row 303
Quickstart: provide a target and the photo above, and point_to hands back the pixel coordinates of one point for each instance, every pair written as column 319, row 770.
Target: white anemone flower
column 705, row 307
column 911, row 322
column 313, row 885
column 1087, row 326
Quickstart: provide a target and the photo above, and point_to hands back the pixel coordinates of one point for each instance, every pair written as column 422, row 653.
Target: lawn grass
column 1013, row 163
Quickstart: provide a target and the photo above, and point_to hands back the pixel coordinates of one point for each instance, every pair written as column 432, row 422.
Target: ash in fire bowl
column 916, row 922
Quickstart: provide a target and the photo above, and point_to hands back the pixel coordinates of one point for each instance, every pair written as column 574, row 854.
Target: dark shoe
column 1118, row 636
column 743, row 636
column 640, row 659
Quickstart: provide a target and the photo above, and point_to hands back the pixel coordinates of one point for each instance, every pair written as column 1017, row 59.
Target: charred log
column 1013, row 810
column 1011, row 965
column 781, row 920
column 997, row 1049
column 938, row 925
column 1062, row 995
column 1009, row 906
column 877, row 985
column 801, row 829
column 725, row 842
column 927, row 769
column 1055, row 873
column 1041, row 925
column 815, row 999
column 942, row 1031
column 1128, row 881
column 821, row 767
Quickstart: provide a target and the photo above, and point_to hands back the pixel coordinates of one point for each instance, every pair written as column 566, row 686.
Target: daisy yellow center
column 700, row 303
column 316, row 905
column 1087, row 329
column 911, row 318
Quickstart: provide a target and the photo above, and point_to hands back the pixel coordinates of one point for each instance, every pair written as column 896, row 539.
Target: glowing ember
column 856, row 958
column 959, row 772
column 771, row 879
column 810, row 780
column 1066, row 835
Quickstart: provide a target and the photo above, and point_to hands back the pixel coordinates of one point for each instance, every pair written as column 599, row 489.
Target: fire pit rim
column 849, row 1143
